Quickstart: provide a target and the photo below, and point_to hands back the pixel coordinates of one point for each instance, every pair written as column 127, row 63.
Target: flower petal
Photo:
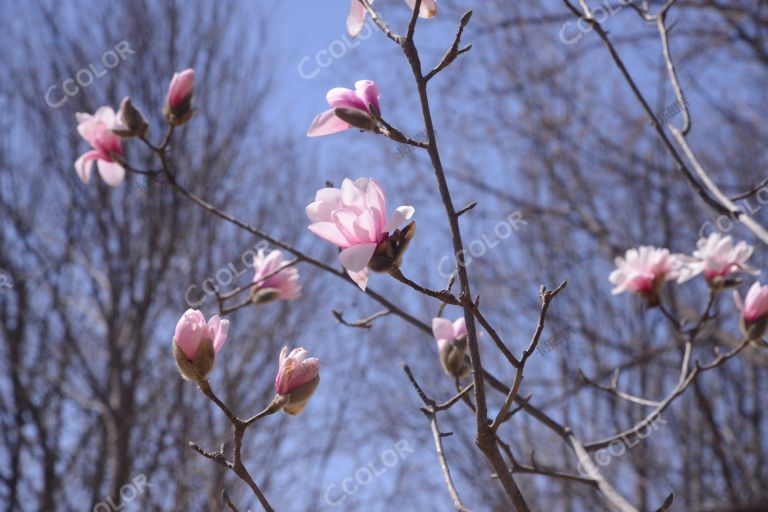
column 442, row 329
column 328, row 231
column 369, row 93
column 356, row 258
column 356, row 18
column 84, row 164
column 112, row 173
column 399, row 217
column 341, row 97
column 360, row 278
column 326, row 124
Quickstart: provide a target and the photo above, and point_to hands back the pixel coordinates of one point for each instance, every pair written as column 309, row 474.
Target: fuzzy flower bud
column 297, row 379
column 196, row 343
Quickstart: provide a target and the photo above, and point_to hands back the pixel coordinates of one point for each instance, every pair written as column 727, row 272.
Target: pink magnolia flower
column 295, row 370
column 446, row 332
column 717, row 257
column 181, row 88
column 283, row 285
column 452, row 344
column 755, row 305
column 644, row 270
column 356, row 17
column 178, row 103
column 354, row 218
column 96, row 129
column 362, row 99
column 192, row 329
column 297, row 379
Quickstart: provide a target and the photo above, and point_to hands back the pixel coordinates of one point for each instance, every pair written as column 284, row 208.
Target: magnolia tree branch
column 546, row 299
column 485, row 436
column 430, row 411
column 706, row 189
column 238, row 427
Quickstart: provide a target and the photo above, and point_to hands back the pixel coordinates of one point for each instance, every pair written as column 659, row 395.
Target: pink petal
column 428, row 7
column 374, row 198
column 356, row 18
column 221, row 335
column 459, row 327
column 356, row 258
column 442, row 329
column 360, row 278
column 352, row 196
column 369, row 93
column 84, row 164
column 344, row 220
column 111, row 172
column 365, row 227
column 328, row 231
column 399, row 217
column 341, row 97
column 326, row 124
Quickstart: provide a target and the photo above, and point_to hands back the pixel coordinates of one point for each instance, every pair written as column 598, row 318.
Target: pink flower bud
column 452, row 344
column 96, row 129
column 297, row 378
column 178, row 104
column 354, row 217
column 196, row 343
column 754, row 310
column 355, row 108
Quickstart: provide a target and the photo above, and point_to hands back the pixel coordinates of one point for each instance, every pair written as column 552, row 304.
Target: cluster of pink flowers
column 196, row 343
column 645, row 270
column 104, row 129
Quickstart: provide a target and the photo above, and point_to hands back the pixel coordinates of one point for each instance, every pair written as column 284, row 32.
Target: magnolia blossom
column 361, row 100
column 717, row 257
column 297, row 378
column 356, row 17
column 192, row 330
column 281, row 284
column 354, row 218
column 644, row 270
column 755, row 305
column 181, row 88
column 445, row 332
column 196, row 343
column 178, row 102
column 96, row 129
column 452, row 343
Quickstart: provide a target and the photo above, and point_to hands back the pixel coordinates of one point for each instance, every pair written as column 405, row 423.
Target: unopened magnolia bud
column 178, row 104
column 754, row 330
column 131, row 121
column 356, row 118
column 200, row 366
column 389, row 253
column 452, row 357
column 298, row 398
